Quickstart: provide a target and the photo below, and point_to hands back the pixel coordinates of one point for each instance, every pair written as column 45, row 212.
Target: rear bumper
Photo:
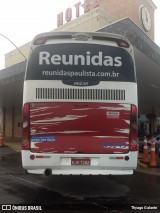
column 60, row 164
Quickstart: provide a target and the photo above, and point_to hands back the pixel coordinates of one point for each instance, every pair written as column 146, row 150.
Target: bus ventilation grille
column 82, row 94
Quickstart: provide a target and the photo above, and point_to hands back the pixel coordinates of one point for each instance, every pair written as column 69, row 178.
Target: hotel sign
column 67, row 15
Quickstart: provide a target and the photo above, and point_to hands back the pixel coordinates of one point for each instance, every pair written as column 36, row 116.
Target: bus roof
column 83, row 36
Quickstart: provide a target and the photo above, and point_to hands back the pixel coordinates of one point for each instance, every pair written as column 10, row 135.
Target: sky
column 21, row 20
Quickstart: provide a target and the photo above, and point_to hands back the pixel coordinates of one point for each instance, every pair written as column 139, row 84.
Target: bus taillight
column 25, row 127
column 133, row 141
column 133, row 130
column 134, row 117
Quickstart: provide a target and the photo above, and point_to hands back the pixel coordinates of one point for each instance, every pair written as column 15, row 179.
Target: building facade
column 141, row 12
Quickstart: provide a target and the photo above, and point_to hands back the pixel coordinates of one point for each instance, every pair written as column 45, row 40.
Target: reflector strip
column 119, row 158
column 41, row 156
column 116, row 158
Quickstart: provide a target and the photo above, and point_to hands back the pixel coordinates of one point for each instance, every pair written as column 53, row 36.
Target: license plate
column 80, row 161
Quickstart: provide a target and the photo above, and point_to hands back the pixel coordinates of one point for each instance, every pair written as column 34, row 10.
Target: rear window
column 80, row 62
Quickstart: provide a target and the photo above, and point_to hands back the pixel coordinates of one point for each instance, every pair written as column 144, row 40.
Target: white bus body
column 80, row 105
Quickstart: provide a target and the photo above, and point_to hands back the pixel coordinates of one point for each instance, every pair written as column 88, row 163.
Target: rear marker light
column 123, row 44
column 39, row 41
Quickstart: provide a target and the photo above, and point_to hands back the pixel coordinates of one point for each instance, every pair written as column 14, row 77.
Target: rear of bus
column 80, row 105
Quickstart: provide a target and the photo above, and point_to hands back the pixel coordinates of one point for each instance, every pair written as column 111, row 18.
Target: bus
column 80, row 105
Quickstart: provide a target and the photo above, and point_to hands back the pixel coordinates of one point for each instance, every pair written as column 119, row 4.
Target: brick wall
column 120, row 9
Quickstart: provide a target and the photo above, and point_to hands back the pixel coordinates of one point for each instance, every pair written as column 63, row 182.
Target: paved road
column 75, row 192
